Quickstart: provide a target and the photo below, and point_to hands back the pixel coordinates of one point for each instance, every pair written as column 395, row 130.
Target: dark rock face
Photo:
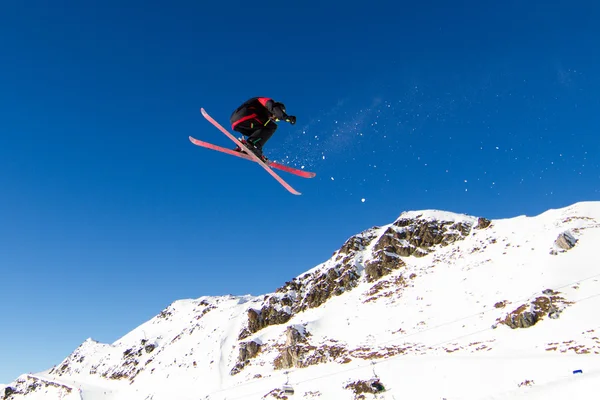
column 372, row 386
column 299, row 353
column 358, row 242
column 332, row 282
column 8, row 391
column 417, row 236
column 405, row 237
column 531, row 313
column 565, row 241
column 248, row 350
column 290, row 357
column 266, row 316
column 150, row 348
column 384, row 264
column 522, row 319
column 483, row 223
column 30, row 384
column 296, row 346
column 309, row 291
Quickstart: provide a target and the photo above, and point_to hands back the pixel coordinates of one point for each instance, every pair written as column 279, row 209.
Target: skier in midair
column 256, row 118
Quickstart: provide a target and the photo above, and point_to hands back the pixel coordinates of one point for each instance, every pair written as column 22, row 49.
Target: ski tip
column 203, row 111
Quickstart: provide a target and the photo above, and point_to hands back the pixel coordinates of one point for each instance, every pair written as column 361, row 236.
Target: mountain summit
column 433, row 305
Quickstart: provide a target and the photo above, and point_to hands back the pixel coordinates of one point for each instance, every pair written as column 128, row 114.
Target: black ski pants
column 257, row 134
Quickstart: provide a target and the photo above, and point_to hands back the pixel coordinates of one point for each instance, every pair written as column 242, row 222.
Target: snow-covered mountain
column 433, row 305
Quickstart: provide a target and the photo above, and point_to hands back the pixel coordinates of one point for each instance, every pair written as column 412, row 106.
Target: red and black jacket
column 257, row 111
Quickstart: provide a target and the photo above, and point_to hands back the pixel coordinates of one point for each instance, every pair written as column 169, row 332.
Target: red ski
column 249, row 153
column 272, row 164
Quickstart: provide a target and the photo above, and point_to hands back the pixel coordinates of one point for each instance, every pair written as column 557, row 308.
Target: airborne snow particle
column 363, row 200
column 332, row 178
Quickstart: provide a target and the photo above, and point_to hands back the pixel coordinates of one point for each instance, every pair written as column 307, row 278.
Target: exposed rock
column 521, row 319
column 500, row 304
column 8, row 391
column 278, row 394
column 248, row 350
column 565, row 241
column 387, row 288
column 150, row 348
column 483, row 223
column 416, row 236
column 305, row 355
column 326, row 353
column 526, row 382
column 309, row 291
column 332, row 282
column 269, row 315
column 29, row 384
column 406, row 237
column 299, row 353
column 166, row 313
column 293, row 336
column 356, row 243
column 529, row 314
column 372, row 386
column 291, row 355
column 384, row 263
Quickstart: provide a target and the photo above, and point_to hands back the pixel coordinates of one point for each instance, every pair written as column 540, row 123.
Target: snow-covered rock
column 432, row 305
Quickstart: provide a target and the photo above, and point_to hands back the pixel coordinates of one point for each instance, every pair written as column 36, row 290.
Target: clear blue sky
column 108, row 213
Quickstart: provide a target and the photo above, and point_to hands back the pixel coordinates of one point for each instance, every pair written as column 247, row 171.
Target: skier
column 256, row 119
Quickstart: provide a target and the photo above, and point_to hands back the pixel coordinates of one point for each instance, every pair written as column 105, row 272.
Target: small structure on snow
column 287, row 388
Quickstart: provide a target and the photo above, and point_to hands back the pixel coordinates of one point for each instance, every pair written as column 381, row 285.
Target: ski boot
column 254, row 149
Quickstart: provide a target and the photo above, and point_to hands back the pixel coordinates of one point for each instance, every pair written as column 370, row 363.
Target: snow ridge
column 500, row 309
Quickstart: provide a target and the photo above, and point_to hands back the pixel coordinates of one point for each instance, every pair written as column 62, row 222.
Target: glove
column 291, row 119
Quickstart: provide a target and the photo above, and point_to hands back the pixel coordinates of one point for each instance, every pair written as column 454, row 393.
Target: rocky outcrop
column 529, row 314
column 30, row 384
column 360, row 387
column 248, row 350
column 483, row 223
column 296, row 346
column 299, row 353
column 358, row 242
column 133, row 360
column 7, row 392
column 565, row 241
column 308, row 291
column 383, row 264
column 268, row 315
column 276, row 394
column 414, row 236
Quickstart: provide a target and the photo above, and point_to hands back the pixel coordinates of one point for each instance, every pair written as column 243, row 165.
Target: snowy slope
column 434, row 305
